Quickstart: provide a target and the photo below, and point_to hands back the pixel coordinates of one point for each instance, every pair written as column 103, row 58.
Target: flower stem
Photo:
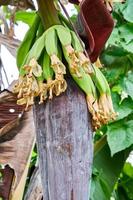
column 48, row 13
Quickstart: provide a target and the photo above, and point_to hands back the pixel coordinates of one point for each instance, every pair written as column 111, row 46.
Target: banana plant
column 52, row 64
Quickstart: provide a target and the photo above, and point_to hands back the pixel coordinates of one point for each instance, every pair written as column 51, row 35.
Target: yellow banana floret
column 79, row 51
column 73, row 60
column 57, row 65
column 106, row 111
column 28, row 85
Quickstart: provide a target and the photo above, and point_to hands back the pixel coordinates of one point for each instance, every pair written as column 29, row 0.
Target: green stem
column 100, row 144
column 48, row 13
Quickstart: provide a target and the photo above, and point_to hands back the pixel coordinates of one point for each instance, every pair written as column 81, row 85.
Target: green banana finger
column 64, row 35
column 73, row 50
column 76, row 43
column 104, row 80
column 99, row 81
column 47, row 70
column 36, row 49
column 72, row 60
column 88, row 87
column 83, row 82
column 54, row 51
column 40, row 30
column 27, row 42
column 78, row 47
column 51, row 42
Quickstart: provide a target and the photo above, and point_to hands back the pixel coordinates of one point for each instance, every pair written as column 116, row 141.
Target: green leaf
column 120, row 135
column 109, row 169
column 114, row 39
column 116, row 56
column 127, row 11
column 128, row 170
column 126, row 32
column 125, row 184
column 117, row 13
column 128, row 84
column 127, row 46
column 113, row 74
column 123, row 108
column 99, row 187
column 117, row 62
column 128, row 186
column 121, row 194
column 26, row 17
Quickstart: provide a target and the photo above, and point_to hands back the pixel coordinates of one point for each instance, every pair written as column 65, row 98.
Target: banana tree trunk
column 34, row 191
column 65, row 146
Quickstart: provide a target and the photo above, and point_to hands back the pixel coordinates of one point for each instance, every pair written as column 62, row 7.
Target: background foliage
column 112, row 175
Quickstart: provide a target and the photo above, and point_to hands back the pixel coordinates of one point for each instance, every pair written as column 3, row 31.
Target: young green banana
column 87, row 85
column 98, row 80
column 40, row 30
column 65, row 38
column 27, row 42
column 48, row 74
column 28, row 86
column 36, row 50
column 105, row 101
column 84, row 61
column 53, row 50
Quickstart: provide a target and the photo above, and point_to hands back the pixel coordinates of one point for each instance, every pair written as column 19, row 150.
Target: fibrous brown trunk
column 64, row 140
column 34, row 191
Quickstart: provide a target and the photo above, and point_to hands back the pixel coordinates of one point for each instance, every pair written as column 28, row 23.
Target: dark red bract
column 98, row 25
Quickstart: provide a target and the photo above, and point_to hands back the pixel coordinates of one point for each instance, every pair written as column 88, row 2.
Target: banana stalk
column 58, row 85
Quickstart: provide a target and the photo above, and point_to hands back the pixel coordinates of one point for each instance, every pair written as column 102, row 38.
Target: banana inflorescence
column 43, row 59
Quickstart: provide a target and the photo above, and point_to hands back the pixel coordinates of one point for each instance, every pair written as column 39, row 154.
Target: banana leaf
column 106, row 171
column 17, row 136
